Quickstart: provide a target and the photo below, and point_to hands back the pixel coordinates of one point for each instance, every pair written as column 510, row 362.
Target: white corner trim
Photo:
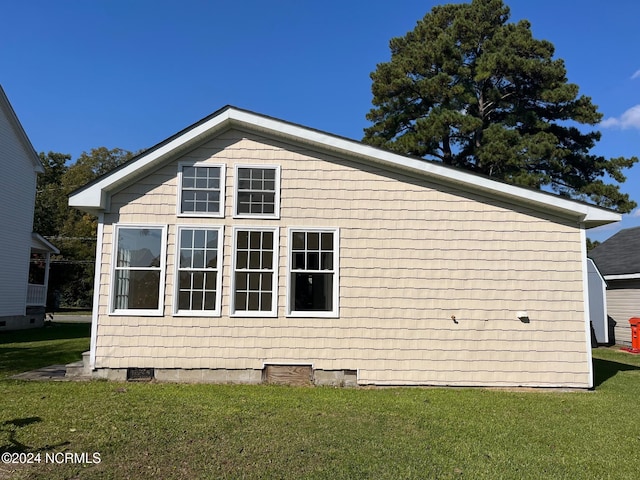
column 96, row 292
column 585, row 302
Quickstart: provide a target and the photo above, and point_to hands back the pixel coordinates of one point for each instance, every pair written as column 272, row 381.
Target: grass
column 171, row 431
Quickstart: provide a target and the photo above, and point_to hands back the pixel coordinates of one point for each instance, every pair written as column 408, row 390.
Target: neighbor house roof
column 95, row 197
column 10, row 114
column 618, row 258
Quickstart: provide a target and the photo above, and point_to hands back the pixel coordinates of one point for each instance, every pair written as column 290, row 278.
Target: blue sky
column 129, row 73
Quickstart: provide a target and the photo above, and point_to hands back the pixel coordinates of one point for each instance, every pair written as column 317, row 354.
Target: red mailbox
column 635, row 333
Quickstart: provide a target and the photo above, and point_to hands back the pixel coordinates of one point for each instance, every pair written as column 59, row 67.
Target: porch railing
column 36, row 295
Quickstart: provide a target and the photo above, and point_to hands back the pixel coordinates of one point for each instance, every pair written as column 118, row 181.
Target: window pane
column 267, row 260
column 266, row 281
column 241, row 301
column 139, row 247
column 327, row 241
column 255, row 240
column 210, row 281
column 267, row 240
column 185, row 258
column 198, row 280
column 242, row 260
column 212, row 258
column 198, row 259
column 254, row 281
column 209, row 301
column 243, row 240
column 241, row 281
column 196, row 300
column 312, row 292
column 269, row 173
column 254, row 301
column 137, row 289
column 212, row 239
column 313, row 241
column 185, row 281
column 184, row 301
column 298, row 261
column 186, row 238
column 254, row 260
column 313, row 261
column 265, row 300
column 198, row 238
column 298, row 241
column 327, row 261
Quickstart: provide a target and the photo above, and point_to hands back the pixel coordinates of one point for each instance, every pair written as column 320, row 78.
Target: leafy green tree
column 72, row 231
column 471, row 90
column 51, row 202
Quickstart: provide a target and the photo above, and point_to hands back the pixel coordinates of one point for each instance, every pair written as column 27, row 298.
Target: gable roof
column 10, row 114
column 95, row 197
column 618, row 258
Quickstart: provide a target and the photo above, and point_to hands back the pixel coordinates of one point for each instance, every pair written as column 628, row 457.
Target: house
column 249, row 249
column 618, row 259
column 24, row 255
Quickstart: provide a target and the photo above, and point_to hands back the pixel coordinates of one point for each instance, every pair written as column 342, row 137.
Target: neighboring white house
column 618, row 260
column 24, row 255
column 246, row 248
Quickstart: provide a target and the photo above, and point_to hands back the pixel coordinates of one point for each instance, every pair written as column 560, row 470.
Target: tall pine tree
column 470, row 89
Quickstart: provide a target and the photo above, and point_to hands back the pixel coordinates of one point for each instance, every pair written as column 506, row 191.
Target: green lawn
column 170, row 431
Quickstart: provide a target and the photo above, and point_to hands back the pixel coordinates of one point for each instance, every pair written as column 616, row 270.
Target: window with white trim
column 138, row 270
column 255, row 267
column 198, row 277
column 257, row 191
column 313, row 272
column 201, row 190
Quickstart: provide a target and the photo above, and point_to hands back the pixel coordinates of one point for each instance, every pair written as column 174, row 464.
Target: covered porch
column 39, row 263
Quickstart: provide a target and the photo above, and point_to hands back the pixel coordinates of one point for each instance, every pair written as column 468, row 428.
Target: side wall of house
column 623, row 303
column 431, row 280
column 17, row 199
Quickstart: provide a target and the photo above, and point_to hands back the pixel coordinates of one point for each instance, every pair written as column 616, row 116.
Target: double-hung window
column 313, row 272
column 257, row 191
column 201, row 190
column 138, row 270
column 198, row 273
column 255, row 270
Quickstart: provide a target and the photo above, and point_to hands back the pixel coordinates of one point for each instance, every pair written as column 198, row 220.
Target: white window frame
column 223, row 176
column 274, row 269
column 158, row 312
column 335, row 312
column 176, row 276
column 276, row 206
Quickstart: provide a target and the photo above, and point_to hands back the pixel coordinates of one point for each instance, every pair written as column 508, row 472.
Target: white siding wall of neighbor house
column 413, row 255
column 17, row 188
column 623, row 303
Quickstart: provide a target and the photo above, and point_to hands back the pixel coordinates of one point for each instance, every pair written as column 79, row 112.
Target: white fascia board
column 628, row 276
column 96, row 196
column 38, row 242
column 587, row 214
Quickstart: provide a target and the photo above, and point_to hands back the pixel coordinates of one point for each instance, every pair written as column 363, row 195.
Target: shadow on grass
column 51, row 331
column 606, row 369
column 13, row 445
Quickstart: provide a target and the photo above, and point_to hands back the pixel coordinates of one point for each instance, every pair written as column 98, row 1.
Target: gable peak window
column 201, row 190
column 257, row 191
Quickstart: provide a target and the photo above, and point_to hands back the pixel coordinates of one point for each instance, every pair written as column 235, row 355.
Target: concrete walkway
column 62, row 318
column 54, row 373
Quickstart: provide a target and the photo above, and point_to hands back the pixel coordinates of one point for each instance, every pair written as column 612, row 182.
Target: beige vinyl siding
column 412, row 254
column 623, row 303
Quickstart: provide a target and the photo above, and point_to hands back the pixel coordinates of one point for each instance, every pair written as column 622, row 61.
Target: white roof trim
column 95, row 197
column 40, row 243
column 5, row 105
column 627, row 276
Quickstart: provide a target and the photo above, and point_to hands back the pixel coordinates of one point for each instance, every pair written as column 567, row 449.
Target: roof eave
column 95, row 197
